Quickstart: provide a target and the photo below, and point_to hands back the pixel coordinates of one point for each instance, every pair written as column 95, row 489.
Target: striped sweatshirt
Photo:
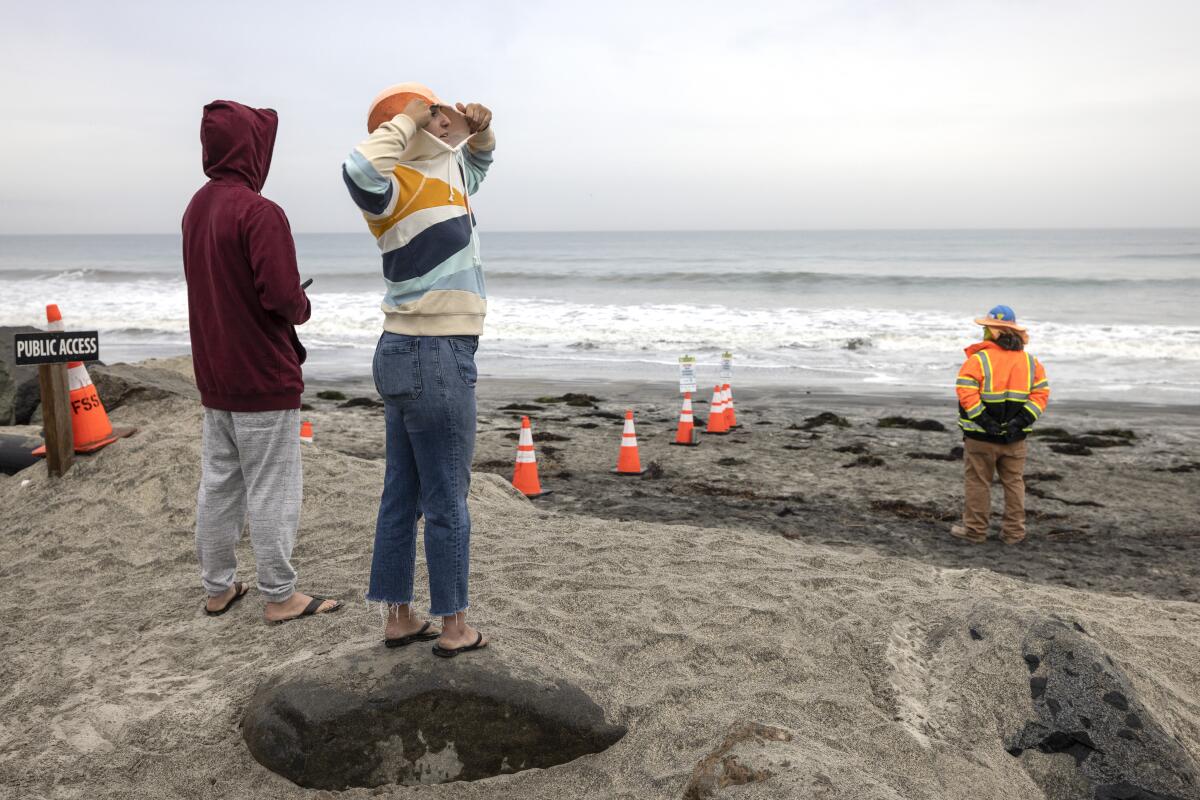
column 412, row 189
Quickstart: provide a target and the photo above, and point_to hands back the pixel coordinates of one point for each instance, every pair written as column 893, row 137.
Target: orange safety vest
column 1001, row 381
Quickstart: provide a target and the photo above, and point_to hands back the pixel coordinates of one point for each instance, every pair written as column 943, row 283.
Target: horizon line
column 965, row 229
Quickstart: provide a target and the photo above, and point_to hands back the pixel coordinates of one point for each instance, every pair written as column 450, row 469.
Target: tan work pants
column 983, row 460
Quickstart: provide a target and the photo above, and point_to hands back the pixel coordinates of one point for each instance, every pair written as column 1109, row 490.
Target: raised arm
column 477, row 155
column 368, row 169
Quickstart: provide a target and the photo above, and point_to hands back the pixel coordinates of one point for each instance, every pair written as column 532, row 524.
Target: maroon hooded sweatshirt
column 244, row 294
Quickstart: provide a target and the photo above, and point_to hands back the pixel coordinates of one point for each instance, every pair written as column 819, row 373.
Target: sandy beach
column 882, row 659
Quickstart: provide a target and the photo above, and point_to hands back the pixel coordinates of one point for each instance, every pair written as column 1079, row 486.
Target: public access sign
column 56, row 347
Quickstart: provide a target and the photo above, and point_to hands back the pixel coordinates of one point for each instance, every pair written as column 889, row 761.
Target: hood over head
column 238, row 142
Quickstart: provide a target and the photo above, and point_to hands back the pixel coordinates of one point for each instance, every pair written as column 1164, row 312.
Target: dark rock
column 12, row 376
column 305, row 407
column 1190, row 466
column 1071, row 449
column 1043, row 476
column 865, row 461
column 1085, row 714
column 26, row 399
column 824, row 418
column 912, row 424
column 729, row 461
column 1118, row 433
column 975, row 634
column 522, row 407
column 605, row 415
column 331, row 394
column 654, row 471
column 361, row 402
column 123, row 384
column 572, row 399
column 951, row 456
column 858, row 343
column 928, row 512
column 858, row 448
column 588, row 425
column 371, row 719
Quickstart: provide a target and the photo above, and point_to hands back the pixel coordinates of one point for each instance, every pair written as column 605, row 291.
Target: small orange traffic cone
column 716, row 413
column 686, row 434
column 90, row 428
column 306, row 435
column 525, row 474
column 628, row 462
column 730, row 417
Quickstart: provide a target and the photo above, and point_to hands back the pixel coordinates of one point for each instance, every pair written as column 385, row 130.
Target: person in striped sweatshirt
column 412, row 178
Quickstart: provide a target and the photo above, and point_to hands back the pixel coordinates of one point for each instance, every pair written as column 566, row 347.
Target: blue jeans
column 428, row 388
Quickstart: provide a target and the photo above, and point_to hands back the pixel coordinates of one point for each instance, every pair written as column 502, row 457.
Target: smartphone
column 306, row 284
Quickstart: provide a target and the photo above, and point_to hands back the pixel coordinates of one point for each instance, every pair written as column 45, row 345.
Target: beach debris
column 628, row 462
column 330, row 394
column 928, row 512
column 1187, row 466
column 747, row 755
column 572, row 399
column 824, row 418
column 1086, row 707
column 522, row 407
column 525, row 473
column 718, row 422
column 306, row 432
column 951, row 456
column 685, row 434
column 362, row 402
column 1043, row 494
column 1071, row 449
column 1112, row 437
column 865, row 461
column 910, row 423
column 369, row 719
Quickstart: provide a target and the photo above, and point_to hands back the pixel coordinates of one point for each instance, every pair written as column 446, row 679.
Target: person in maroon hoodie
column 244, row 301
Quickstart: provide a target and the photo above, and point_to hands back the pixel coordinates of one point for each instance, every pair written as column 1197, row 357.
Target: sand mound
column 892, row 679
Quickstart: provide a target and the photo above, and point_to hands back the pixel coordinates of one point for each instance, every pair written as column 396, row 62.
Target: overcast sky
column 615, row 115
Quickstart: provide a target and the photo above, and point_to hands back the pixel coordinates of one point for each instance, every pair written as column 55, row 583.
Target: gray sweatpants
column 250, row 473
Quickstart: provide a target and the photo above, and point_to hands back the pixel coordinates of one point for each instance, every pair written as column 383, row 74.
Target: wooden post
column 56, row 418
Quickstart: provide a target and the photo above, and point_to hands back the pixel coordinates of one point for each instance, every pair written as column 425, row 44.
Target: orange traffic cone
column 628, row 462
column 686, row 434
column 525, row 474
column 716, row 413
column 306, row 432
column 90, row 427
column 730, row 417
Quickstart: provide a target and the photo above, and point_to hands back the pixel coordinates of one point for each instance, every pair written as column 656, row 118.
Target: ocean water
column 1112, row 313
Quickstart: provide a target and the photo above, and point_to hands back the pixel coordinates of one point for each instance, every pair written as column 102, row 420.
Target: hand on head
column 418, row 111
column 478, row 116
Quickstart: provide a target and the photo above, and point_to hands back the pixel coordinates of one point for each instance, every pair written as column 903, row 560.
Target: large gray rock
column 11, row 376
column 404, row 716
column 118, row 384
column 1090, row 736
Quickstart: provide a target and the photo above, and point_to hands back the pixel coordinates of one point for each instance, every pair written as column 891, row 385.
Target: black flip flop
column 423, row 635
column 451, row 652
column 242, row 589
column 310, row 610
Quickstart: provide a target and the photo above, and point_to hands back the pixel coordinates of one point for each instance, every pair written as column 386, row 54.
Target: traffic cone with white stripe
column 716, row 413
column 525, row 474
column 686, row 436
column 90, row 428
column 306, row 434
column 730, row 417
column 628, row 462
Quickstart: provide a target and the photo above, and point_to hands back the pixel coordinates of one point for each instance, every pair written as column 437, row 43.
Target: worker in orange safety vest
column 1002, row 391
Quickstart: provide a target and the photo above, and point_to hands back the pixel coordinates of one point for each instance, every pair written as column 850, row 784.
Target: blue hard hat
column 1003, row 314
